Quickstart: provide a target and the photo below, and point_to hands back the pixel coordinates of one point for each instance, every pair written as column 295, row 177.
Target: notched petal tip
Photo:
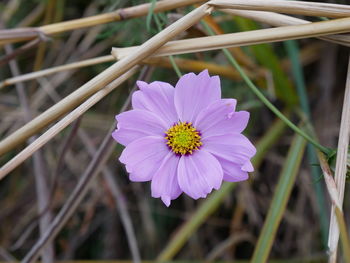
column 186, row 76
column 115, row 135
column 248, row 167
column 141, row 84
column 133, row 177
column 250, row 146
column 230, row 102
column 204, row 73
column 205, row 77
column 234, row 178
column 122, row 158
column 166, row 200
column 217, row 187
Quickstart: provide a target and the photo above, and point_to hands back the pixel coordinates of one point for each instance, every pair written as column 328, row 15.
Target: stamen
column 183, row 138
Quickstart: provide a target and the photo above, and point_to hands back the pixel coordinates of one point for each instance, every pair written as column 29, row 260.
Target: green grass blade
column 150, row 15
column 279, row 200
column 215, row 199
column 157, row 18
column 293, row 53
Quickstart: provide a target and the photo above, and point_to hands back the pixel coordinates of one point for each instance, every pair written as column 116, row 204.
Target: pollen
column 182, row 138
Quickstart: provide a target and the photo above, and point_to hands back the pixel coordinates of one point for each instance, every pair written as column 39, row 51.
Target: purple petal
column 220, row 118
column 235, row 148
column 143, row 157
column 235, row 175
column 194, row 93
column 135, row 124
column 199, row 173
column 232, row 172
column 164, row 182
column 157, row 97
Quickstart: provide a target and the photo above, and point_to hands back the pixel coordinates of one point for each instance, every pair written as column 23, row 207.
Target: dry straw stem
column 198, row 66
column 328, row 178
column 45, row 72
column 340, row 168
column 335, row 26
column 288, row 7
column 308, row 54
column 344, row 236
column 185, row 64
column 275, row 19
column 101, row 80
column 21, row 34
column 334, row 196
column 59, row 126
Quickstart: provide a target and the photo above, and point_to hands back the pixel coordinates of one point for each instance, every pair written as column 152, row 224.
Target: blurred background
column 119, row 220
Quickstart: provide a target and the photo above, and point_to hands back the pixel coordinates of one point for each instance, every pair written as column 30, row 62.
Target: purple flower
column 184, row 139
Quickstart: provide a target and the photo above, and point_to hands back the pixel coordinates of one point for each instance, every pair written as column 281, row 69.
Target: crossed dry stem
column 160, row 45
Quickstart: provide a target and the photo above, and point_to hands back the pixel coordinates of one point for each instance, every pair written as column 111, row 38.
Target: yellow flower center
column 183, row 138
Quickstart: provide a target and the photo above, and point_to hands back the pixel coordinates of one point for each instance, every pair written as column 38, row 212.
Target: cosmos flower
column 184, row 139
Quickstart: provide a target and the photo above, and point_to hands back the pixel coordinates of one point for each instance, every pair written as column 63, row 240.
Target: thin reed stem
column 21, row 34
column 268, row 35
column 288, row 7
column 183, row 64
column 340, row 169
column 344, row 236
column 276, row 19
column 45, row 72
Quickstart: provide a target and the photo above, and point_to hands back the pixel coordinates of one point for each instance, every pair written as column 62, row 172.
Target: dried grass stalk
column 275, row 19
column 184, row 64
column 198, row 66
column 335, row 26
column 328, row 178
column 340, row 169
column 21, row 34
column 288, row 7
column 45, row 72
column 101, row 80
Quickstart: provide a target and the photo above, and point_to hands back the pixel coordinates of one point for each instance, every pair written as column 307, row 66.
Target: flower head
column 184, row 139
